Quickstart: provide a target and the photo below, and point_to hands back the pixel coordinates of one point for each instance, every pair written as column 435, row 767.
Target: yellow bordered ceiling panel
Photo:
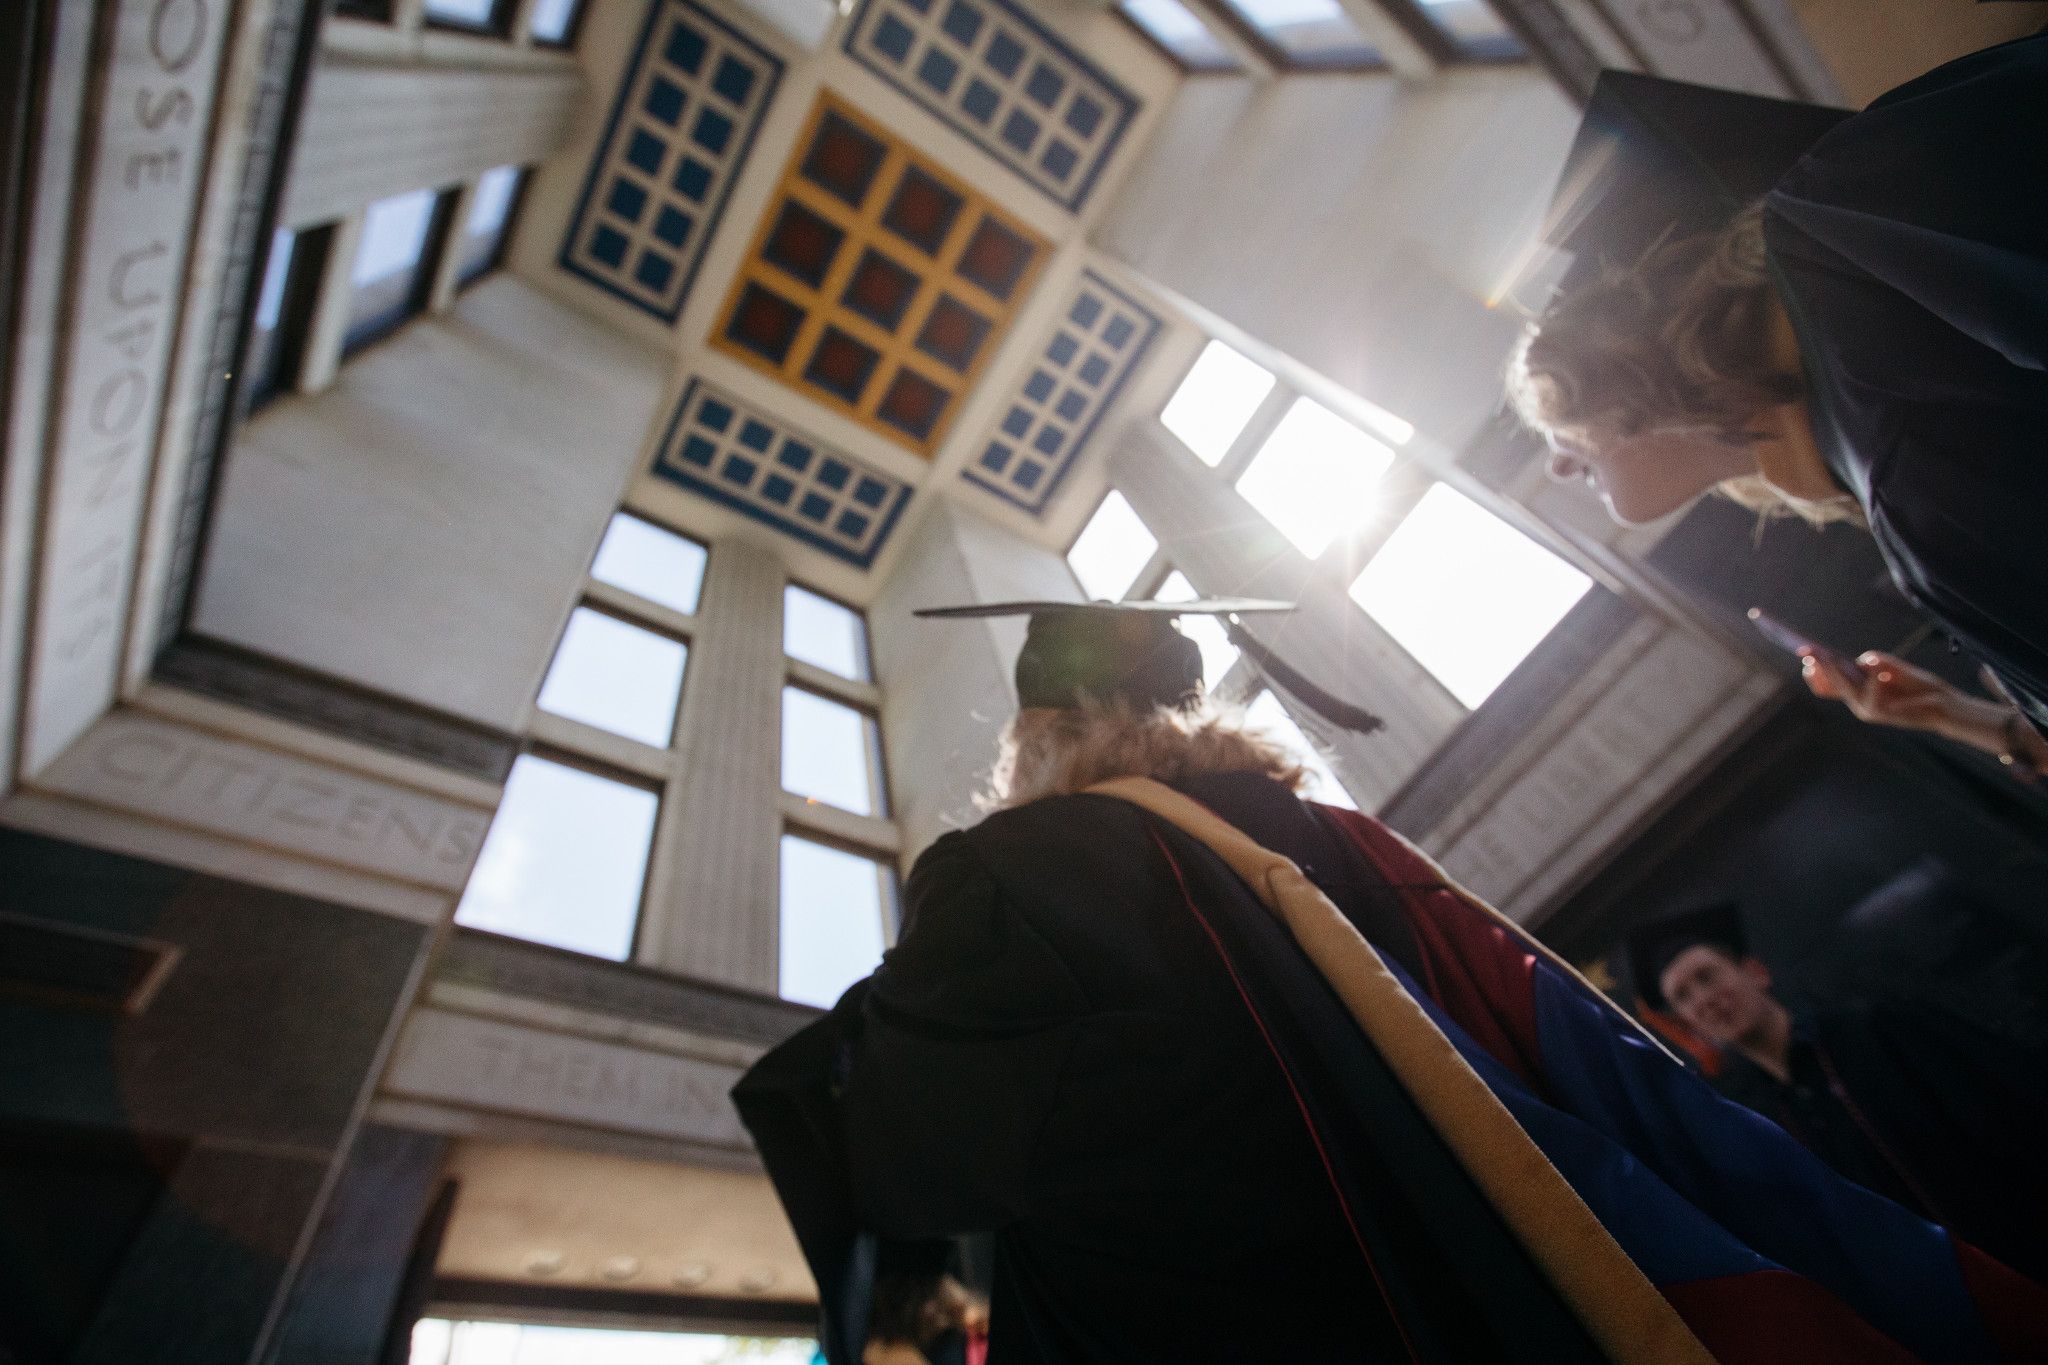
column 877, row 284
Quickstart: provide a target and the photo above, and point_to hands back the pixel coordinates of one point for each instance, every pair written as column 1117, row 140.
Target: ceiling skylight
column 1210, row 408
column 1316, row 476
column 1465, row 593
column 1112, row 550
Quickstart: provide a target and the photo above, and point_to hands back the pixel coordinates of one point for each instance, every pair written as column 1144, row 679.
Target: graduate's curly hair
column 1056, row 752
column 1678, row 342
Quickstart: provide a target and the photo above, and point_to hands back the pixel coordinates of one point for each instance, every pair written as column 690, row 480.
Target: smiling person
column 1931, row 1111
column 1867, row 343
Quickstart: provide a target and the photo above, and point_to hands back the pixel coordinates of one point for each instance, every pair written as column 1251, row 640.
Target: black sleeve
column 963, row 1036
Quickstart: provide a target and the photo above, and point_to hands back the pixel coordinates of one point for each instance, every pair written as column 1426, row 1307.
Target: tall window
column 616, row 676
column 393, row 270
column 443, row 1341
column 1112, row 550
column 1473, row 29
column 1308, row 33
column 1180, row 31
column 649, row 562
column 837, row 905
column 1465, row 593
column 554, row 22
column 1212, row 406
column 824, row 634
column 488, row 223
column 475, row 16
column 831, row 752
column 1315, row 477
column 1219, row 656
column 284, row 311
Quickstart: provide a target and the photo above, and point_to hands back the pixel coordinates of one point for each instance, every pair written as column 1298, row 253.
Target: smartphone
column 1790, row 640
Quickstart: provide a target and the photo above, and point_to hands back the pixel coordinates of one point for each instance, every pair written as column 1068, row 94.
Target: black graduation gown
column 1926, row 1109
column 1911, row 247
column 1056, row 1052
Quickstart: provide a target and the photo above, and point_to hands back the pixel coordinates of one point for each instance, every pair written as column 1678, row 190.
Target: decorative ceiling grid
column 877, row 283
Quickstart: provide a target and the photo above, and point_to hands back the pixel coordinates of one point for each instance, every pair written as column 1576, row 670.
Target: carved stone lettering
column 148, row 122
column 513, row 1069
column 154, row 767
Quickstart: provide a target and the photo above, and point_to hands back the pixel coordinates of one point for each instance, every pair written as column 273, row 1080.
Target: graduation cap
column 1133, row 652
column 1654, row 156
column 1651, row 947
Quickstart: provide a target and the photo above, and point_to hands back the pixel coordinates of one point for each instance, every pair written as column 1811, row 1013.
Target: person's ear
column 1757, row 970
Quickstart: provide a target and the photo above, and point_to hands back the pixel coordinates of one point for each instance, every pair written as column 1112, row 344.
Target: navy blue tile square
column 655, row 270
column 962, row 23
column 756, row 435
column 777, row 489
column 1017, row 422
column 1039, row 386
column 996, row 458
column 852, row 524
column 833, row 474
column 699, row 451
column 645, row 151
column 712, row 132
column 672, row 226
column 1086, row 309
column 735, row 79
column 795, row 455
column 1071, row 405
column 815, row 506
column 1004, row 55
column 686, row 48
column 664, row 101
column 693, row 179
column 626, row 200
column 1020, row 130
column 893, row 38
column 1118, row 332
column 738, row 469
column 608, row 245
column 1028, row 474
column 980, row 101
column 1045, row 85
column 870, row 492
column 714, row 415
column 1084, row 116
column 921, row 6
column 1062, row 349
column 938, row 71
column 1049, row 440
column 1093, row 370
column 1059, row 159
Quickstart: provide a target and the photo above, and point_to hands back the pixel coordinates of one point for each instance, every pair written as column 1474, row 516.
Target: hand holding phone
column 1790, row 640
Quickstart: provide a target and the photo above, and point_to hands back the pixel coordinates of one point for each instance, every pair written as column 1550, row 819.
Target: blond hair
column 1048, row 752
column 1678, row 342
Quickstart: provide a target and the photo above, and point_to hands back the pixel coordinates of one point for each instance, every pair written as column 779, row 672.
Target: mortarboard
column 1132, row 651
column 1652, row 946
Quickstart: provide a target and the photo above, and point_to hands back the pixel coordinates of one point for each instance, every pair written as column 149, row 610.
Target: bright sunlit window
column 1267, row 714
column 388, row 279
column 1465, row 593
column 489, row 222
column 834, row 904
column 1180, row 31
column 564, row 861
column 439, row 1341
column 1316, row 476
column 552, row 20
column 821, row 632
column 1210, row 408
column 1112, row 550
column 1310, row 32
column 463, row 13
column 650, row 562
column 1218, row 654
column 616, row 676
column 830, row 752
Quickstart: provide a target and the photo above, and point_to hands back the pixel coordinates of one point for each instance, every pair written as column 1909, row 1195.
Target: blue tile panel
column 1081, row 367
column 688, row 105
column 748, row 459
column 1002, row 80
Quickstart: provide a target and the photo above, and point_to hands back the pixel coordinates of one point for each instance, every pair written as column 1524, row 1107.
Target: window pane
column 490, row 219
column 470, row 13
column 1112, row 550
column 1312, row 32
column 1267, row 714
column 617, row 677
column 820, row 631
column 833, row 903
column 267, row 351
column 564, row 861
column 552, row 20
column 1180, row 31
column 387, row 280
column 650, row 562
column 1209, row 409
column 830, row 752
column 437, row 1341
column 1475, row 28
column 1465, row 593
column 1315, row 477
column 1218, row 654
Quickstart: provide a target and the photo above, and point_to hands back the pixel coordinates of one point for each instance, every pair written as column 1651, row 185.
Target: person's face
column 1651, row 474
column 1715, row 995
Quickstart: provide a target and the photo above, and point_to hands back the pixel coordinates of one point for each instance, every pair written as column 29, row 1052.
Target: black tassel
column 1339, row 713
